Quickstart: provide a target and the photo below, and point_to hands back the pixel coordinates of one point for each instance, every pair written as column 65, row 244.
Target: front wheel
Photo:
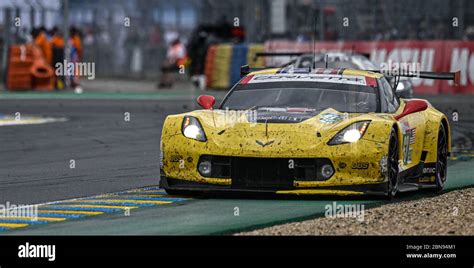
column 392, row 165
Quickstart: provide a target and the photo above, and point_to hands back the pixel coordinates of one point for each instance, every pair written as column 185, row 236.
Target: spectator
column 175, row 57
column 76, row 55
column 40, row 39
column 57, row 44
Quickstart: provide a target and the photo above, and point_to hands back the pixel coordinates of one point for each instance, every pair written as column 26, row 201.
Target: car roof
column 342, row 55
column 331, row 71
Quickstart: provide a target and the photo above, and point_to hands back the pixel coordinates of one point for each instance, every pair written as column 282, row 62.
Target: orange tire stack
column 27, row 69
column 42, row 73
column 19, row 65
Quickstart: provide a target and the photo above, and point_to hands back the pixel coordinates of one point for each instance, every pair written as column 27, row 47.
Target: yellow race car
column 320, row 131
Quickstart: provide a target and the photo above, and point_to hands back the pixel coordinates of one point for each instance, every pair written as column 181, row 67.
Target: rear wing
column 454, row 76
column 245, row 70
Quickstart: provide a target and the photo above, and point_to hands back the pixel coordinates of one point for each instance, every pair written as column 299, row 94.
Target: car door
column 412, row 126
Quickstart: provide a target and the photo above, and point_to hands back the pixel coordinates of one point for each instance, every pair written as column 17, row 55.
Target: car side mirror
column 206, row 101
column 244, row 70
column 413, row 106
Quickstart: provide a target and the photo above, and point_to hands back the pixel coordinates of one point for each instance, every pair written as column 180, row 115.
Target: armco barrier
column 436, row 56
column 223, row 62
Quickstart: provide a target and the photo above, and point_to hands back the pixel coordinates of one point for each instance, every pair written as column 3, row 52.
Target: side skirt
column 417, row 177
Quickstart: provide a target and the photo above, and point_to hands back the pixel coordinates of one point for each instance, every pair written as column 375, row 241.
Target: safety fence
column 436, row 56
column 223, row 62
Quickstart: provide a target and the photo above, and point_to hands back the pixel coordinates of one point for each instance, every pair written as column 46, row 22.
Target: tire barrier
column 19, row 65
column 209, row 64
column 27, row 69
column 223, row 62
column 239, row 58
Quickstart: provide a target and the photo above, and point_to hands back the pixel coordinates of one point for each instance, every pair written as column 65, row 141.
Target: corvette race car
column 320, row 131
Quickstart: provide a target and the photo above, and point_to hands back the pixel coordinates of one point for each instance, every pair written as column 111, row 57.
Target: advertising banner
column 434, row 56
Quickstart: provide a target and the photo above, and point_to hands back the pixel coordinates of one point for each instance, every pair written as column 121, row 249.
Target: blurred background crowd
column 135, row 38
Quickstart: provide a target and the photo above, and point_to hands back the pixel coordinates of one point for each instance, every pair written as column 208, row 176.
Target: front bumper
column 358, row 167
column 378, row 189
column 351, row 168
column 299, row 176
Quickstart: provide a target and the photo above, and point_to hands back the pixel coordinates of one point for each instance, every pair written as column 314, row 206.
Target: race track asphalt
column 112, row 155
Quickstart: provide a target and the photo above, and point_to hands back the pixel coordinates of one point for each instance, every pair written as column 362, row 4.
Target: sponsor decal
column 360, row 165
column 409, row 137
column 383, row 165
column 326, row 78
column 429, row 171
column 175, row 158
column 331, row 118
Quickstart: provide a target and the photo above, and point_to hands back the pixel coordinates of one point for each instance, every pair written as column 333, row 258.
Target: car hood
column 289, row 131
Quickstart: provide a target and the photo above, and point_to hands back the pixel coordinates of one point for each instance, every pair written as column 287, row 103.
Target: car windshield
column 310, row 95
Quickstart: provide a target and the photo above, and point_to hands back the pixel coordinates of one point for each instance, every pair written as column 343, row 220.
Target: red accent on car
column 412, row 106
column 370, row 81
column 206, row 101
column 246, row 79
column 318, row 71
column 335, row 71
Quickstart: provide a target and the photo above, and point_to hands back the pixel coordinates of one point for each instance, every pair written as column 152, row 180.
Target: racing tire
column 441, row 159
column 392, row 165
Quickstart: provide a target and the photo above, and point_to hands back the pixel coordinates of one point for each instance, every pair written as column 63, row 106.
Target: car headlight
column 192, row 129
column 351, row 133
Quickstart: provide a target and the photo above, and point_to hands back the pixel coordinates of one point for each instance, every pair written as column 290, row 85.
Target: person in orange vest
column 76, row 55
column 176, row 59
column 57, row 44
column 41, row 40
column 76, row 41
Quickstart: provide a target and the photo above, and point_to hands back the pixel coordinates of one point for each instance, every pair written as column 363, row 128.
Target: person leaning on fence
column 175, row 59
